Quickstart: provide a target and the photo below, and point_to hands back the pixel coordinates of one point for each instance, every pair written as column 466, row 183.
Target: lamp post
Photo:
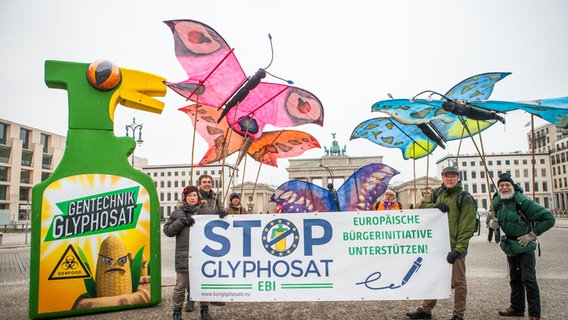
column 330, row 186
column 133, row 127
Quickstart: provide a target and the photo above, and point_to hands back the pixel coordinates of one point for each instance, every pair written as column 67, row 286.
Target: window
column 526, row 173
column 25, row 176
column 527, row 187
column 169, row 196
column 516, row 161
column 498, row 162
column 474, row 188
column 482, row 174
column 161, row 184
column 517, row 173
column 46, row 161
column 543, row 172
column 464, row 164
column 490, row 162
column 3, row 174
column 508, row 162
column 4, row 154
column 525, row 161
column 169, row 184
column 45, row 175
column 473, row 174
column 44, row 140
column 536, row 186
column 161, row 174
column 544, row 186
column 483, row 188
column 3, row 132
column 25, row 137
column 169, row 174
column 175, row 174
column 176, row 184
column 25, row 194
column 542, row 161
column 3, row 192
column 27, row 158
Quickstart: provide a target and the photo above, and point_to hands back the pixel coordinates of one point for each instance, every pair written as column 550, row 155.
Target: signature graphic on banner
column 375, row 276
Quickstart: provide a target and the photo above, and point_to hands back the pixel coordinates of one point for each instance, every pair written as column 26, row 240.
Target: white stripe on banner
column 368, row 255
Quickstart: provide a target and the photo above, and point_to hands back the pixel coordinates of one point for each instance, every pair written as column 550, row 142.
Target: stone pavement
column 487, row 285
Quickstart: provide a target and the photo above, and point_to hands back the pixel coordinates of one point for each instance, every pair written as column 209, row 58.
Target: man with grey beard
column 521, row 220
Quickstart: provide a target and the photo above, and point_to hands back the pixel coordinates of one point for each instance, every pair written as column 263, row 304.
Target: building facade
column 170, row 179
column 27, row 157
column 482, row 184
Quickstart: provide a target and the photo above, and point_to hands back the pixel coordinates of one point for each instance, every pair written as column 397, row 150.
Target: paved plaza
column 486, row 270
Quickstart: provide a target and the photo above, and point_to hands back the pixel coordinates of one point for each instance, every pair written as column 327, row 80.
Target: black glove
column 222, row 214
column 187, row 221
column 452, row 256
column 442, row 206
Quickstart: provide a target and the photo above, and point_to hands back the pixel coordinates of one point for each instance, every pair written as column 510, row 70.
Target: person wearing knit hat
column 505, row 177
column 234, row 206
column 521, row 219
column 389, row 202
column 178, row 225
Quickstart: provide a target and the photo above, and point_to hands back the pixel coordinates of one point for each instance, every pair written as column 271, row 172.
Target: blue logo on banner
column 280, row 237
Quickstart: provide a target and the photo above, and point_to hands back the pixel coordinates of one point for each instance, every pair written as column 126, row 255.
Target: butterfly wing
column 214, row 71
column 217, row 135
column 362, row 188
column 389, row 133
column 281, row 144
column 275, row 104
column 476, row 88
column 554, row 110
column 296, row 196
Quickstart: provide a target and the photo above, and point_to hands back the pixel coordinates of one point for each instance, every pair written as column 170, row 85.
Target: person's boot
column 205, row 313
column 189, row 306
column 177, row 315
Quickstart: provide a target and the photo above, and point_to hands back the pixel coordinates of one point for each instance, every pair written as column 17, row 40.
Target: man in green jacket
column 522, row 220
column 462, row 226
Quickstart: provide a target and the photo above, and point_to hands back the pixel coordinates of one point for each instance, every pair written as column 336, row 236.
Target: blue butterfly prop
column 469, row 100
column 418, row 126
column 359, row 192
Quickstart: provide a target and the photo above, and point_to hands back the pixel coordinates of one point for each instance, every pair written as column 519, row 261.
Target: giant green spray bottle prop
column 95, row 221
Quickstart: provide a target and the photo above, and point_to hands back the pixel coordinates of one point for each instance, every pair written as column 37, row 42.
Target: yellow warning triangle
column 70, row 266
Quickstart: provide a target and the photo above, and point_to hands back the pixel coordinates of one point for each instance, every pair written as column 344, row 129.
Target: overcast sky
column 350, row 54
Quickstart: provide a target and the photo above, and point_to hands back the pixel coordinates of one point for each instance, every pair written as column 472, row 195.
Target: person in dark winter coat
column 521, row 220
column 235, row 206
column 178, row 226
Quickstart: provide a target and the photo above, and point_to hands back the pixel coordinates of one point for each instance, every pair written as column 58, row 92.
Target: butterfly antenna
column 271, row 52
column 272, row 59
column 432, row 93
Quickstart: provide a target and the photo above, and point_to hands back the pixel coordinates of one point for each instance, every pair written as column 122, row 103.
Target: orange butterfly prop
column 266, row 149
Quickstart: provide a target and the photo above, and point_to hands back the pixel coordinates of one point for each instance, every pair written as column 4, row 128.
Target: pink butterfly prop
column 216, row 79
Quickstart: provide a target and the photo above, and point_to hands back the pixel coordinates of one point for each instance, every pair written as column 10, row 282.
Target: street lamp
column 330, row 186
column 133, row 127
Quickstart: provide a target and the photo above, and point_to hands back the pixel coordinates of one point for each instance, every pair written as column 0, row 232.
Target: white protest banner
column 369, row 255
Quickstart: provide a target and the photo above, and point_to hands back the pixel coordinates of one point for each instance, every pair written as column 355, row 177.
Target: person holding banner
column 461, row 227
column 177, row 226
column 522, row 220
